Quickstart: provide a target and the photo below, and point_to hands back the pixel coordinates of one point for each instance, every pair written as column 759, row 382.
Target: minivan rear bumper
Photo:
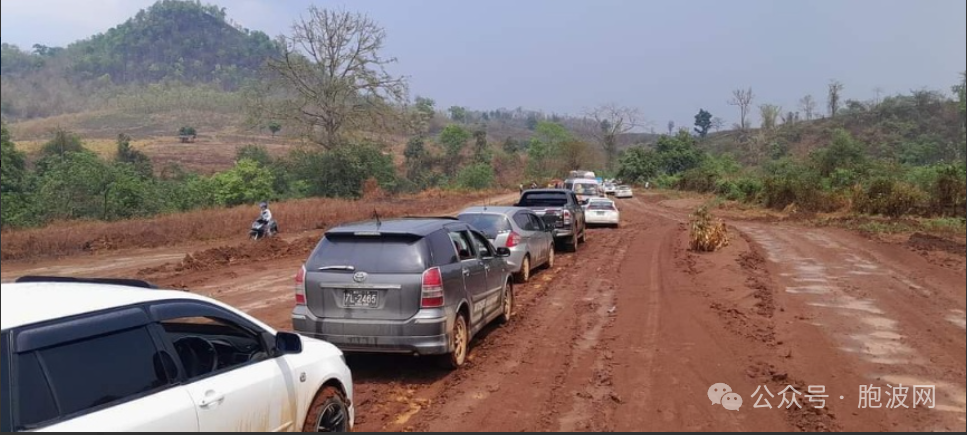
column 425, row 334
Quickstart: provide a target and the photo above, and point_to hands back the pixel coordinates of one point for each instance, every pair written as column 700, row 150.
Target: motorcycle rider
column 265, row 218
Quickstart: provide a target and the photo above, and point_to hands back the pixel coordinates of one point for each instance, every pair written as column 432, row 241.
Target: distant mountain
column 173, row 40
column 172, row 43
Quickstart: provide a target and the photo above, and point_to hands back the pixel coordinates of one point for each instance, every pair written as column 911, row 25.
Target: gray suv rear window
column 387, row 254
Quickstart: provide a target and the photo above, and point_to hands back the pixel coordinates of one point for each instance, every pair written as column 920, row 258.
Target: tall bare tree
column 835, row 98
column 743, row 98
column 610, row 122
column 770, row 116
column 808, row 106
column 334, row 76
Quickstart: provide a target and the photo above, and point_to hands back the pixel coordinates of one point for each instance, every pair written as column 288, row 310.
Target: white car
column 121, row 356
column 624, row 192
column 610, row 189
column 603, row 212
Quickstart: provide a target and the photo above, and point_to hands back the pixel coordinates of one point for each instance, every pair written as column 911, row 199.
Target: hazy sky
column 669, row 58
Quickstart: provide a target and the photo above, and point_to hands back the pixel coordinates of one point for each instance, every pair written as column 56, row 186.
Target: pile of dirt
column 928, row 243
column 226, row 256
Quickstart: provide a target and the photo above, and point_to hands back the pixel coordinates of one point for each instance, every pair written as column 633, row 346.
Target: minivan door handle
column 466, row 272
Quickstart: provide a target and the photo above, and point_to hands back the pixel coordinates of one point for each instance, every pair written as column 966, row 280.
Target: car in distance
column 530, row 240
column 422, row 286
column 604, row 213
column 121, row 356
column 610, row 188
column 561, row 210
column 624, row 192
column 585, row 189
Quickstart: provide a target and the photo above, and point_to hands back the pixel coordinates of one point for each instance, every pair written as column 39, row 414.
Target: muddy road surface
column 630, row 333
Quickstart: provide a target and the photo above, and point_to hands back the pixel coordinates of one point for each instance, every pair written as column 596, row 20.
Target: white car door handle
column 212, row 399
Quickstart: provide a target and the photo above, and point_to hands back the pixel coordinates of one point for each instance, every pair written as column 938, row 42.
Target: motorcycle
column 261, row 229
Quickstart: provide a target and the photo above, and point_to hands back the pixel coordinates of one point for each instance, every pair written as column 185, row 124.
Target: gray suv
column 410, row 286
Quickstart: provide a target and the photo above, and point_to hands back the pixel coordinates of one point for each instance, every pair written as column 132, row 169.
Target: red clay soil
column 629, row 333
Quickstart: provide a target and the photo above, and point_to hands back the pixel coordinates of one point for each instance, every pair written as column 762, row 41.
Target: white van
column 585, row 189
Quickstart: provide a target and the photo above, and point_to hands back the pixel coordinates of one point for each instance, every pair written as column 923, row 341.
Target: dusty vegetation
column 708, row 234
column 294, row 216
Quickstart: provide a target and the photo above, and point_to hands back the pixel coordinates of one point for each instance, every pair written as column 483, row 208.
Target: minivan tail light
column 432, row 296
column 513, row 240
column 300, row 287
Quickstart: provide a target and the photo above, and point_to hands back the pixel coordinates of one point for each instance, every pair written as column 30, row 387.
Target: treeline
column 65, row 181
column 68, row 182
column 911, row 163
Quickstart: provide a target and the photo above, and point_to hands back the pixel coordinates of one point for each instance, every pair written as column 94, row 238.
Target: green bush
column 793, row 183
column 702, row 180
column 340, row 173
column 62, row 143
column 949, row 191
column 751, row 188
column 476, row 177
column 246, row 183
column 256, row 153
column 889, row 198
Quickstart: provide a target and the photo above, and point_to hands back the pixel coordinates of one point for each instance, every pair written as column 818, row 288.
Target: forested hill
column 173, row 40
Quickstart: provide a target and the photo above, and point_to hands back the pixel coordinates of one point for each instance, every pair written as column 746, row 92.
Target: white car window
column 73, row 379
column 207, row 346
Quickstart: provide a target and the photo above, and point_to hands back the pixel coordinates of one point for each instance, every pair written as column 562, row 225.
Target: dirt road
column 630, row 333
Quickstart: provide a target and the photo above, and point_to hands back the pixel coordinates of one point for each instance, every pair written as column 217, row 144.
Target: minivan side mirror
column 503, row 252
column 288, row 344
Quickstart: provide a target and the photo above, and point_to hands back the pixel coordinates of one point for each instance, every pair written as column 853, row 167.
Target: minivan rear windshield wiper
column 343, row 268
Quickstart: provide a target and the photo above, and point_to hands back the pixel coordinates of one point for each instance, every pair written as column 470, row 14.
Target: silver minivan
column 530, row 241
column 411, row 286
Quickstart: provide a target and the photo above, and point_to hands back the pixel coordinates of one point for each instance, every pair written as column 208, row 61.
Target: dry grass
column 708, row 233
column 207, row 225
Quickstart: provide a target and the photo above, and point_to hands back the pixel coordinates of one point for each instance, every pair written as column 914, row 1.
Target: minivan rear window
column 489, row 224
column 382, row 254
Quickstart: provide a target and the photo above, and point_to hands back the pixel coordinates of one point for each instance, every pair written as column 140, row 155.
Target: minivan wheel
column 328, row 413
column 509, row 301
column 524, row 276
column 459, row 343
column 550, row 259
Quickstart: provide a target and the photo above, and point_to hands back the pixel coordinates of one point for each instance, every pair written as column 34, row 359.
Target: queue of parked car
column 122, row 355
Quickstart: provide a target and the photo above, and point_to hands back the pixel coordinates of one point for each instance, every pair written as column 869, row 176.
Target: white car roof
column 29, row 304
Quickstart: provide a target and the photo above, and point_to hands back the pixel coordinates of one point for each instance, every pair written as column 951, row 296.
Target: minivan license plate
column 361, row 299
